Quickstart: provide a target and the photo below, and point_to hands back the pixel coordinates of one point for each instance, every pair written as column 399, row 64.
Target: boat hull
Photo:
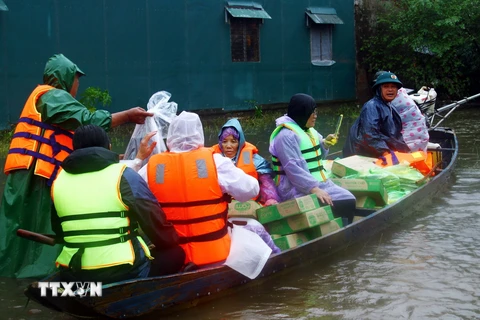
column 167, row 294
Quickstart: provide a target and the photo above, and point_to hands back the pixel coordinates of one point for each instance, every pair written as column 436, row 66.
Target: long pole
column 449, row 106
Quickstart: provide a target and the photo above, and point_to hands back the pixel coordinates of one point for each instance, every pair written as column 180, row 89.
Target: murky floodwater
column 426, row 267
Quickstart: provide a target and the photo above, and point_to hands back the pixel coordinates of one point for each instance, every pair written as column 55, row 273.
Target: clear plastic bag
column 164, row 112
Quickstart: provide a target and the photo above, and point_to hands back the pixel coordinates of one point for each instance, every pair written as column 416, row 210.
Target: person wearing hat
column 42, row 139
column 378, row 129
column 297, row 150
column 414, row 126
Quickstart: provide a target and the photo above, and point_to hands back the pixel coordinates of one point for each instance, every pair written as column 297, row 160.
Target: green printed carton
column 365, row 202
column 247, row 209
column 365, row 187
column 324, row 229
column 295, row 239
column 290, row 240
column 353, row 165
column 300, row 221
column 287, row 208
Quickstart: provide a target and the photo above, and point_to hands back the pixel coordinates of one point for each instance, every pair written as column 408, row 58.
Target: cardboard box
column 295, row 239
column 365, row 187
column 301, row 221
column 290, row 240
column 325, row 228
column 357, row 218
column 287, row 208
column 365, row 202
column 353, row 165
column 247, row 209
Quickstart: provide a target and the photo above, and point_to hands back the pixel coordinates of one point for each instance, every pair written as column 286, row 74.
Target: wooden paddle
column 37, row 237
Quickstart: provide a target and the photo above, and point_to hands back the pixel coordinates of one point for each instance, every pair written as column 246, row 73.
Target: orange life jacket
column 416, row 160
column 34, row 140
column 245, row 158
column 186, row 186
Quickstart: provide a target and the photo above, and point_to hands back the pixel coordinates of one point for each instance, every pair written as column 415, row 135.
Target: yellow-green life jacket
column 94, row 219
column 309, row 146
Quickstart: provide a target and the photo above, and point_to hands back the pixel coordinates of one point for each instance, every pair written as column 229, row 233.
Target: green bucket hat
column 387, row 77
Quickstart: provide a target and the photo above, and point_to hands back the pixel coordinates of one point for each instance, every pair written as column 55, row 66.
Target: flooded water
column 425, row 267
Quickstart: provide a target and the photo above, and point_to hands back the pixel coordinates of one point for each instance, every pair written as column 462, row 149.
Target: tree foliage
column 94, row 97
column 426, row 42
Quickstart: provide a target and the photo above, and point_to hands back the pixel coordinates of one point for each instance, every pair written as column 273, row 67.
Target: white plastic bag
column 248, row 252
column 164, row 112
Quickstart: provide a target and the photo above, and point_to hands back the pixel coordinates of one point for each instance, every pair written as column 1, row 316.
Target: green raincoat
column 26, row 201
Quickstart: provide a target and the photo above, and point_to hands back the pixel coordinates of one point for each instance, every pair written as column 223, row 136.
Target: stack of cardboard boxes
column 297, row 221
column 370, row 193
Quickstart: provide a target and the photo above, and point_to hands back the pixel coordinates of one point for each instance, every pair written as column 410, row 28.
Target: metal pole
column 447, row 107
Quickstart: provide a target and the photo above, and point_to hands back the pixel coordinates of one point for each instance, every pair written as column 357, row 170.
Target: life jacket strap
column 96, row 215
column 46, row 126
column 314, row 148
column 277, row 163
column 319, row 168
column 101, row 243
column 220, row 215
column 205, row 237
column 223, row 198
column 40, row 156
column 90, row 232
column 56, row 147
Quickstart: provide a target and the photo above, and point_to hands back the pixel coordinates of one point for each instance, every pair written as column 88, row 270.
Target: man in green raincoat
column 42, row 139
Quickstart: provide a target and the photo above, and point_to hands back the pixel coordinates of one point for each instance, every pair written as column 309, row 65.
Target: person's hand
column 330, row 140
column 322, row 195
column 146, row 150
column 137, row 115
column 270, row 202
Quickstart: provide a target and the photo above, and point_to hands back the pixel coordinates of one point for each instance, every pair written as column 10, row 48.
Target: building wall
column 136, row 48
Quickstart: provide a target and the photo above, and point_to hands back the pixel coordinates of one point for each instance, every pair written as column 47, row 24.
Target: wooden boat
column 161, row 295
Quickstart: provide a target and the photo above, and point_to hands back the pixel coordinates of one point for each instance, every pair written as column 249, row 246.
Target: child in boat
column 232, row 144
column 115, row 199
column 297, row 150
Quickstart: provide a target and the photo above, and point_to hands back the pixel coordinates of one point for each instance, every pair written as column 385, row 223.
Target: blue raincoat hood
column 234, row 123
